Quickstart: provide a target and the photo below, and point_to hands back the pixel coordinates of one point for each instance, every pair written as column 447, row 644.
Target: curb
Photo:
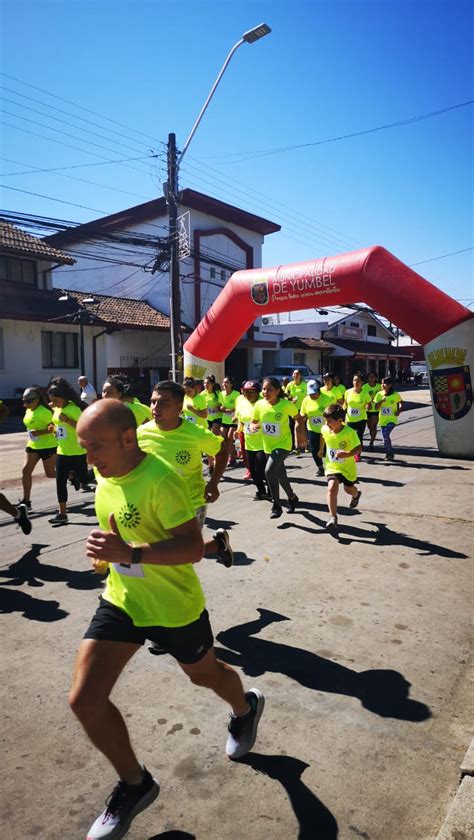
column 459, row 823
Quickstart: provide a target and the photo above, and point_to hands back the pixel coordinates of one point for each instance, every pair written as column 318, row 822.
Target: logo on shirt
column 183, row 457
column 452, row 392
column 278, row 415
column 129, row 516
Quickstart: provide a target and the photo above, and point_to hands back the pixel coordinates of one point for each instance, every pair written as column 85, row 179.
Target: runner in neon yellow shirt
column 296, row 391
column 342, row 445
column 71, row 457
column 331, row 390
column 390, row 404
column 195, row 405
column 152, row 539
column 141, row 411
column 338, row 385
column 228, row 398
column 356, row 402
column 272, row 416
column 312, row 410
column 182, row 444
column 211, row 394
column 257, row 459
column 372, row 387
column 41, row 445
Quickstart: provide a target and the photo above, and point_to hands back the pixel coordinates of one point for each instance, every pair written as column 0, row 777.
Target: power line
column 49, row 198
column 73, row 166
column 442, row 256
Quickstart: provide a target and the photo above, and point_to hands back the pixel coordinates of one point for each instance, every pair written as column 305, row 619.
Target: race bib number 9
column 332, row 455
column 271, row 429
column 317, row 421
column 354, row 412
column 61, row 432
column 386, row 411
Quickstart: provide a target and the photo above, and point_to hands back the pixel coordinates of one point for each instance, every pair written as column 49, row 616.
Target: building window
column 222, row 275
column 299, row 358
column 354, row 324
column 2, row 355
column 371, row 329
column 16, row 270
column 212, row 273
column 59, row 350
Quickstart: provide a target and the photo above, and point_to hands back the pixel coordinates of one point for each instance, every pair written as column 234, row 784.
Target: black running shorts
column 44, row 454
column 187, row 644
column 341, row 479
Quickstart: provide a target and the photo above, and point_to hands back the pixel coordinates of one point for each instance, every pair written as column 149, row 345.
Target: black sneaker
column 156, row 649
column 261, row 497
column 243, row 729
column 25, row 502
column 123, row 805
column 355, row 501
column 320, row 471
column 59, row 519
column 224, row 551
column 22, row 519
column 292, row 504
column 276, row 511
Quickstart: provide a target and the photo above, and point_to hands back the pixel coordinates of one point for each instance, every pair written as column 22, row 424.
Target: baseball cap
column 313, row 387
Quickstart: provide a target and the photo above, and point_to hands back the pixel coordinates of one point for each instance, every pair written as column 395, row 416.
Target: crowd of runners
column 155, row 469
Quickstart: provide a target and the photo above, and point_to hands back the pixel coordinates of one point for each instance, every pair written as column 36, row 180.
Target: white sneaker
column 243, row 728
column 123, row 805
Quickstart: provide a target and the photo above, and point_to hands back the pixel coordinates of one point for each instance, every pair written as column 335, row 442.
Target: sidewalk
column 361, row 646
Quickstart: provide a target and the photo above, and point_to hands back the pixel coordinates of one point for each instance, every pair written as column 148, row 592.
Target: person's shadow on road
column 381, row 691
column 31, row 571
column 11, row 600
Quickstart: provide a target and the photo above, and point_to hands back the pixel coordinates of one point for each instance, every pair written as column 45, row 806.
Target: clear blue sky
column 327, row 69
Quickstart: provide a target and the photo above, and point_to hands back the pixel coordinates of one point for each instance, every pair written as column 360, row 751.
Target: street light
column 171, row 190
column 79, row 317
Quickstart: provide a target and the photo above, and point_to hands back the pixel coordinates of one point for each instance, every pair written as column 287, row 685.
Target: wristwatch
column 136, row 556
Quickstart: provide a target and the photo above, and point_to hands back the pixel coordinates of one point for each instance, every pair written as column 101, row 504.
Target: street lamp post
column 81, row 316
column 171, row 191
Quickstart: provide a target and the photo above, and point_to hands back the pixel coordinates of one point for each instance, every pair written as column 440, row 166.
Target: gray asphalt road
column 361, row 646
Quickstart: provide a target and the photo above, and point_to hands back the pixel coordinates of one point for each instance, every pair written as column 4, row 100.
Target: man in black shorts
column 151, row 541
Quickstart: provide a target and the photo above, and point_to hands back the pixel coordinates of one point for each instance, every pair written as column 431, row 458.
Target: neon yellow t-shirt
column 346, row 439
column 213, row 402
column 198, row 402
column 36, row 420
column 336, row 394
column 371, row 391
column 355, row 405
column 228, row 401
column 274, row 424
column 147, row 503
column 141, row 411
column 313, row 411
column 245, row 413
column 387, row 406
column 66, row 435
column 299, row 391
column 182, row 449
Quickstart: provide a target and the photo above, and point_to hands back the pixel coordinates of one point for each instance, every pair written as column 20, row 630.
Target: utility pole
column 171, row 190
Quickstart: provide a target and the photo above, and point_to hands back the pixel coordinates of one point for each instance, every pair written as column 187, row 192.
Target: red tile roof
column 16, row 242
column 307, row 343
column 123, row 312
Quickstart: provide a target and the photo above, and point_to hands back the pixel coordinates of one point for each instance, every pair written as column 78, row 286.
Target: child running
column 342, row 445
column 312, row 411
column 389, row 404
column 372, row 387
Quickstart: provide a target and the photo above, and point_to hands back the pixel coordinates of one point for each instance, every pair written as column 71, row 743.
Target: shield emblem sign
column 452, row 391
column 259, row 293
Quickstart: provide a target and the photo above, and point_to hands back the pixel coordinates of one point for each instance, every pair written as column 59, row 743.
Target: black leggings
column 359, row 428
column 314, row 439
column 257, row 463
column 64, row 465
column 275, row 473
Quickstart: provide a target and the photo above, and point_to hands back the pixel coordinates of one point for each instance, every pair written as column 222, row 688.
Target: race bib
column 248, row 429
column 212, row 412
column 332, row 455
column 271, row 429
column 61, row 432
column 354, row 412
column 191, row 418
column 129, row 571
column 386, row 411
column 316, row 421
column 31, row 436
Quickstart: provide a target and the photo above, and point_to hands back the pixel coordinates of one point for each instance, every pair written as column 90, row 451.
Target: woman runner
column 296, row 391
column 71, row 457
column 312, row 411
column 194, row 405
column 389, row 403
column 228, row 398
column 356, row 403
column 253, row 439
column 372, row 387
column 41, row 441
column 271, row 415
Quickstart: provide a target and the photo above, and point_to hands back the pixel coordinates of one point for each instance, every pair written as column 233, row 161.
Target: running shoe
column 23, row 520
column 122, row 806
column 59, row 519
column 224, row 551
column 261, row 497
column 25, row 502
column 389, row 457
column 156, row 649
column 357, row 458
column 247, row 475
column 243, row 728
column 355, row 501
column 331, row 524
column 87, row 489
column 292, row 504
column 320, row 471
column 276, row 511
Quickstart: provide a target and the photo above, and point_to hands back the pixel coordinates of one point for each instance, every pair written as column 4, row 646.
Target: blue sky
column 327, row 69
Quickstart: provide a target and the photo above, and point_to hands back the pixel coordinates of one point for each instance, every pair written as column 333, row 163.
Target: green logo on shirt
column 183, row 457
column 129, row 516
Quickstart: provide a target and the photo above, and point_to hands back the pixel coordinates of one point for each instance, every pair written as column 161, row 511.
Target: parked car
column 287, row 370
column 420, row 374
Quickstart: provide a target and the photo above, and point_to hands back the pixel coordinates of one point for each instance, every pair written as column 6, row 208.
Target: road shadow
column 381, row 691
column 382, row 535
column 11, row 600
column 315, row 820
column 174, row 834
column 214, row 524
column 380, row 461
column 31, row 571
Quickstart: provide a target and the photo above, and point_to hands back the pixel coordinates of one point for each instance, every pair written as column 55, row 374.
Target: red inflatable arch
column 371, row 275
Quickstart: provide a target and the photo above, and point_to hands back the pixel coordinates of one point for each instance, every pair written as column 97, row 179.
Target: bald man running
column 151, row 538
